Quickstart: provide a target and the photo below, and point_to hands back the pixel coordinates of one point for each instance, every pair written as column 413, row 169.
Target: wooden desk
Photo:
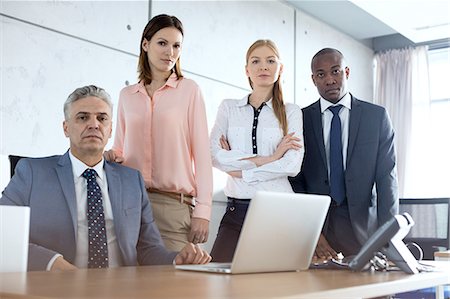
column 166, row 282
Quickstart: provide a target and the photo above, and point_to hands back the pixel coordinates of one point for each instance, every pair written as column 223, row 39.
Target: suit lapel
column 355, row 118
column 115, row 195
column 65, row 176
column 316, row 119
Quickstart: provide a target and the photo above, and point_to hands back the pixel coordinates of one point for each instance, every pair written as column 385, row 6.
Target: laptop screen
column 280, row 233
column 14, row 235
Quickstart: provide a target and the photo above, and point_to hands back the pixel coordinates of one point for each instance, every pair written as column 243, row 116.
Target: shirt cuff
column 236, row 160
column 202, row 211
column 247, row 164
column 248, row 175
column 52, row 261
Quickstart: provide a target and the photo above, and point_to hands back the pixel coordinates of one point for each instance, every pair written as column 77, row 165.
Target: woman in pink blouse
column 162, row 131
column 257, row 140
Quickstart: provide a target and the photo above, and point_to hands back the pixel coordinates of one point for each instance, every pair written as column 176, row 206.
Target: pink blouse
column 166, row 138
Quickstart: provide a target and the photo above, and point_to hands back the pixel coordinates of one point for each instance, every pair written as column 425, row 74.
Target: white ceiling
column 420, row 21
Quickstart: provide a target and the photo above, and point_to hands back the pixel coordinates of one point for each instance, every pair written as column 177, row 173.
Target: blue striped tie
column 98, row 244
column 337, row 181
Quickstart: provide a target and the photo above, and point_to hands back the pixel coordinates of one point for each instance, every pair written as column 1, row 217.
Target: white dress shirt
column 235, row 120
column 82, row 252
column 344, row 115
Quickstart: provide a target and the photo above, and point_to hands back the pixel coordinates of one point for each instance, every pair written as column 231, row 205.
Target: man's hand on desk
column 61, row 264
column 324, row 251
column 192, row 254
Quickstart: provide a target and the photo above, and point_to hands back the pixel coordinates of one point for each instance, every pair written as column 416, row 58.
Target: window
column 429, row 163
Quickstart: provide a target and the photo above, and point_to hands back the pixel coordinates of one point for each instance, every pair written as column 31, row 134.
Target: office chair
column 13, row 162
column 432, row 226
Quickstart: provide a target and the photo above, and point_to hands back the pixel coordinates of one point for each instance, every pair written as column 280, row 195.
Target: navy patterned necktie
column 98, row 245
column 337, row 181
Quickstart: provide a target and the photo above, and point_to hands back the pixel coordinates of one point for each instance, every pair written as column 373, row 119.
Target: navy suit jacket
column 46, row 185
column 370, row 175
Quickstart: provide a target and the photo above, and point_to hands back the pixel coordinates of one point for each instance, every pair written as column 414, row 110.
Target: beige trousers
column 173, row 219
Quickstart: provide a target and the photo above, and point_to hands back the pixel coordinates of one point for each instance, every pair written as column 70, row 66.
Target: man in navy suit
column 369, row 178
column 56, row 191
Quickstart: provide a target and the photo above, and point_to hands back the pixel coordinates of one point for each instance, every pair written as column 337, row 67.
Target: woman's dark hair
column 154, row 25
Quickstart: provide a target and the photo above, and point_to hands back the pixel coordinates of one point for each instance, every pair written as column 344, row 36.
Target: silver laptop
column 280, row 233
column 14, row 234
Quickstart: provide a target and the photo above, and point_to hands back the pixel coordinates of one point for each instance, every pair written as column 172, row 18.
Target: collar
column 245, row 101
column 346, row 101
column 78, row 167
column 172, row 82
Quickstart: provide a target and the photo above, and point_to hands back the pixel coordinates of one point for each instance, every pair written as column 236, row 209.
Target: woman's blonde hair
column 277, row 93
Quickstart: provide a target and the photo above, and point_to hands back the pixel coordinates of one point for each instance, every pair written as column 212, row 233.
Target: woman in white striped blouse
column 257, row 140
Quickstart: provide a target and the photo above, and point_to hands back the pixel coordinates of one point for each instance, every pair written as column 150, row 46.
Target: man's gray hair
column 84, row 92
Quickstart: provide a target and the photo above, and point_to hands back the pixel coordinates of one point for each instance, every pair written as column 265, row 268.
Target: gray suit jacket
column 46, row 185
column 370, row 175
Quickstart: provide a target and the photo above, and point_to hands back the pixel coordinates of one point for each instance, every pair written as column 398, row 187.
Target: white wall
column 49, row 48
column 218, row 33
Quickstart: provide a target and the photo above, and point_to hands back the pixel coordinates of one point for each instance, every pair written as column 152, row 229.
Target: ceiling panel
column 420, row 21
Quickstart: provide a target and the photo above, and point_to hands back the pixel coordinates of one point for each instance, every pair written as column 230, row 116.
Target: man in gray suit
column 366, row 195
column 64, row 224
